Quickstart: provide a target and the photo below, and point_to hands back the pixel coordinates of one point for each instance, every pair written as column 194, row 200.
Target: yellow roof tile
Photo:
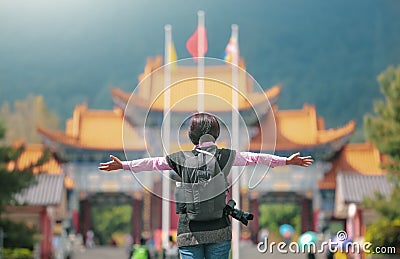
column 31, row 155
column 184, row 97
column 363, row 158
column 97, row 129
column 184, row 88
column 298, row 129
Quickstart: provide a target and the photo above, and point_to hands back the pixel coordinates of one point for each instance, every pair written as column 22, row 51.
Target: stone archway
column 88, row 201
column 299, row 198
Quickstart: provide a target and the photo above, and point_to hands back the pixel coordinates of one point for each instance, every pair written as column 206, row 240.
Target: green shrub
column 17, row 253
column 383, row 233
column 18, row 234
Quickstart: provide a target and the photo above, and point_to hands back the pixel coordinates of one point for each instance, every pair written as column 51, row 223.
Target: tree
column 21, row 121
column 14, row 180
column 108, row 219
column 18, row 235
column 384, row 130
column 272, row 216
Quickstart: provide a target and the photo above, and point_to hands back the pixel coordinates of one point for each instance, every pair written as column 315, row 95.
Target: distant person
column 329, row 255
column 263, row 234
column 113, row 242
column 140, row 251
column 151, row 245
column 128, row 242
column 90, row 239
column 171, row 251
column 209, row 238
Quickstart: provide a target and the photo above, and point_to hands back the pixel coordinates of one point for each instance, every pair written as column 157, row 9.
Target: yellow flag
column 172, row 53
column 172, row 57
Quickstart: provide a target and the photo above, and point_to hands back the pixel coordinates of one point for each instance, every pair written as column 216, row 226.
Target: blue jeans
column 207, row 251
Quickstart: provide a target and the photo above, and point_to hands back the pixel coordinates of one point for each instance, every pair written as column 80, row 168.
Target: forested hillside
column 327, row 53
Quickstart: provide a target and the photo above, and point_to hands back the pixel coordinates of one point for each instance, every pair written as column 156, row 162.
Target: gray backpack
column 204, row 185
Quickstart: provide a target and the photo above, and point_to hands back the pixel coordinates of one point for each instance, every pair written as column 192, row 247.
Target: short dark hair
column 201, row 124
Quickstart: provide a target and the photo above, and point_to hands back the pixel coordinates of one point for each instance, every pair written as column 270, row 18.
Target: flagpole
column 200, row 62
column 166, row 129
column 235, row 140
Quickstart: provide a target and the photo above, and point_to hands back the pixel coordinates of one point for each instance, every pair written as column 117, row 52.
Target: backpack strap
column 225, row 158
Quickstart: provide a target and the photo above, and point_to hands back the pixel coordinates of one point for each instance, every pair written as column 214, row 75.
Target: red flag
column 193, row 41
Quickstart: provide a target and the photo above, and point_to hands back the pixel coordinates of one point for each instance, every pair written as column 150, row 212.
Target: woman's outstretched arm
column 114, row 164
column 250, row 158
column 138, row 165
column 241, row 159
column 296, row 159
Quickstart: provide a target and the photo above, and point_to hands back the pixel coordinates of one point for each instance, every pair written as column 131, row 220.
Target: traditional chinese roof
column 96, row 130
column 47, row 191
column 362, row 158
column 154, row 63
column 31, row 155
column 301, row 130
column 149, row 95
column 217, row 97
column 92, row 135
column 353, row 188
column 356, row 187
column 151, row 84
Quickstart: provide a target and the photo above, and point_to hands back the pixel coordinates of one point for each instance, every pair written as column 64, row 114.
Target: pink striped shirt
column 241, row 159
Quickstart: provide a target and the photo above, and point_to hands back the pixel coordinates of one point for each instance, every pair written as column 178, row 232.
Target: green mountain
column 327, row 53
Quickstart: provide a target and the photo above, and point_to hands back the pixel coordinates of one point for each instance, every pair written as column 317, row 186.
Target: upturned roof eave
column 271, row 95
column 61, row 138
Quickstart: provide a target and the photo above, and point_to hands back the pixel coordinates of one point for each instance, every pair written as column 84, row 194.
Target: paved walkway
column 105, row 252
column 247, row 252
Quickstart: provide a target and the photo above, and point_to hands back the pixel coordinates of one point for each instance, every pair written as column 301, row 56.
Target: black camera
column 240, row 215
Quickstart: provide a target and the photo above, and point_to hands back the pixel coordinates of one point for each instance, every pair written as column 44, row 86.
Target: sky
column 73, row 51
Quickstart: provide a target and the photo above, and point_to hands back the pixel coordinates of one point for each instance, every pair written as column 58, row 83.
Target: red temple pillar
column 136, row 219
column 156, row 215
column 306, row 215
column 75, row 220
column 254, row 225
column 245, row 232
column 86, row 224
column 358, row 223
column 156, row 207
column 361, row 230
column 45, row 229
column 173, row 216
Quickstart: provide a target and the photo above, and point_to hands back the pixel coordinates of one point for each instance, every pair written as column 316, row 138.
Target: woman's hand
column 114, row 164
column 296, row 159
